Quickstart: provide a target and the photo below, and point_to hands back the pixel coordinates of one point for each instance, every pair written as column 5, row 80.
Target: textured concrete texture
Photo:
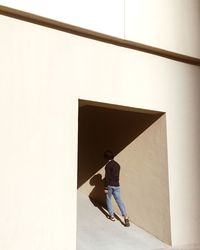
column 190, row 247
column 96, row 232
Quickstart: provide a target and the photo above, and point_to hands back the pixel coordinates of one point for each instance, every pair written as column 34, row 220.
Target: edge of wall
column 50, row 23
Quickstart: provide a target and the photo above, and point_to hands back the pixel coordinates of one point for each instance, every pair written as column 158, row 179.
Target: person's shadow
column 98, row 197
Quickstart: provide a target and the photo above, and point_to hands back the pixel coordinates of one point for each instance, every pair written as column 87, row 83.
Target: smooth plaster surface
column 167, row 24
column 43, row 73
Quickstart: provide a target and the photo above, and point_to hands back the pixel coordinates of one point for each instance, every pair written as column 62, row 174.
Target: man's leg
column 109, row 202
column 117, row 196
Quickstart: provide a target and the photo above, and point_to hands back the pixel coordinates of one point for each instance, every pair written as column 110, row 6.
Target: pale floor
column 96, row 232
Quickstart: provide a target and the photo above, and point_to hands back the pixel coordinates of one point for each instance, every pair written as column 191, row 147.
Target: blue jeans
column 115, row 192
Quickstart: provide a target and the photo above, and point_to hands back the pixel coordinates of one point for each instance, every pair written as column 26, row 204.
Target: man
column 112, row 187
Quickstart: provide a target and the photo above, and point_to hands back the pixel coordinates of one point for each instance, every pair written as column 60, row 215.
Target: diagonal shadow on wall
column 102, row 128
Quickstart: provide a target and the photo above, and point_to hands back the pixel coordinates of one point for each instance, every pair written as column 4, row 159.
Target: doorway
column 138, row 139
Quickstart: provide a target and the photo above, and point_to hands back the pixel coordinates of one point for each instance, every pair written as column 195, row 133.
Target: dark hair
column 108, row 155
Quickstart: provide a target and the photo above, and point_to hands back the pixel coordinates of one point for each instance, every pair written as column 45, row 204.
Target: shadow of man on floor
column 98, row 197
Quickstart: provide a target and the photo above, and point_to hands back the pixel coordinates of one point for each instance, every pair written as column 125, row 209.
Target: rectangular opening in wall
column 138, row 139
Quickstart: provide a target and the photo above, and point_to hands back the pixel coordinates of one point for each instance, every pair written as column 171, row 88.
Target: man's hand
column 105, row 191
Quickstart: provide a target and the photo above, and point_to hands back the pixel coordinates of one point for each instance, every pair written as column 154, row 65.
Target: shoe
column 127, row 223
column 112, row 218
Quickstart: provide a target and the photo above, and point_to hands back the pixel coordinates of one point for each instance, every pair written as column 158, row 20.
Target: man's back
column 112, row 171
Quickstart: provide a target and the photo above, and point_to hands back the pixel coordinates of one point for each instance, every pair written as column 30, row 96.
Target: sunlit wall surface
column 168, row 24
column 43, row 74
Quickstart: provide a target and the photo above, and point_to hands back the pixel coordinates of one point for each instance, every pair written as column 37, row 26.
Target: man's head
column 108, row 155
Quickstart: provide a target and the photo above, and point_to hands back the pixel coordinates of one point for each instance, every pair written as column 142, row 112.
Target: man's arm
column 108, row 176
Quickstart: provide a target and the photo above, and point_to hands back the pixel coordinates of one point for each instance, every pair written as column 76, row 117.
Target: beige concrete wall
column 144, row 180
column 168, row 24
column 43, row 73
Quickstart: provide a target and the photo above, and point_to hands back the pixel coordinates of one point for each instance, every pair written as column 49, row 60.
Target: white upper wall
column 173, row 25
column 168, row 24
column 105, row 16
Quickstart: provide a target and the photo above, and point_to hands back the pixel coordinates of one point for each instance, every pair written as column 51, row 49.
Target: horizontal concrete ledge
column 28, row 17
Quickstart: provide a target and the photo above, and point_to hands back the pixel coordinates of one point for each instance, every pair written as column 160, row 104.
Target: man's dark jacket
column 112, row 170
